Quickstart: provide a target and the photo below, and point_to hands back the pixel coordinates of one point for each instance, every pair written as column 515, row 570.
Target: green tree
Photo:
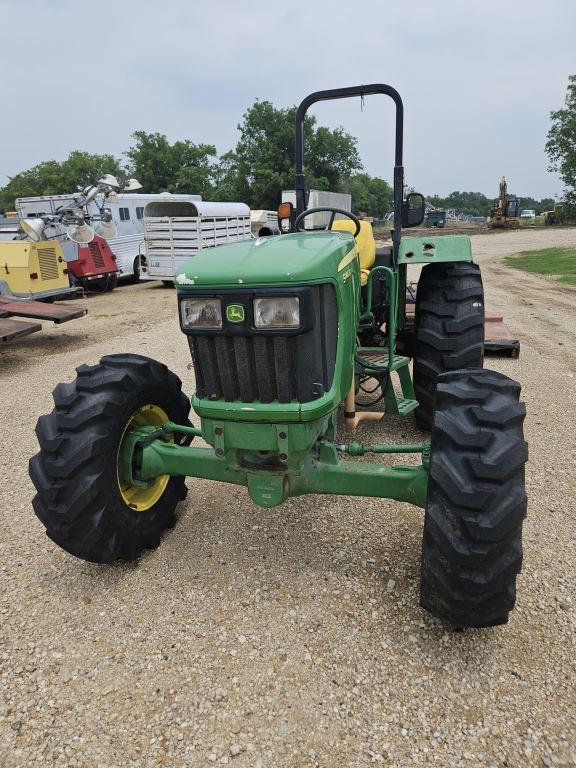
column 262, row 164
column 227, row 183
column 561, row 144
column 546, row 204
column 182, row 167
column 470, row 203
column 54, row 178
column 370, row 194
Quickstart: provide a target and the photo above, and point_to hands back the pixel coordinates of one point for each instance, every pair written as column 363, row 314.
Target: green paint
column 430, row 250
column 292, row 440
column 170, row 428
column 358, row 449
column 294, row 259
column 306, row 258
column 319, row 472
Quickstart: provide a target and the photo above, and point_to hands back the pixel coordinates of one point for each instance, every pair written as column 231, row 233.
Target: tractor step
column 375, row 361
column 406, row 405
column 376, row 357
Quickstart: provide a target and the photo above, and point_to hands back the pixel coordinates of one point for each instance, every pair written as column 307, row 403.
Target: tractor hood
column 280, row 260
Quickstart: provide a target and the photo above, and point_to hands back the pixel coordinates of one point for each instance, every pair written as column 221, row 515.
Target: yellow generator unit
column 34, row 270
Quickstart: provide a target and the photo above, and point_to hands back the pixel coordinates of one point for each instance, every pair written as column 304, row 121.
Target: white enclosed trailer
column 176, row 230
column 127, row 214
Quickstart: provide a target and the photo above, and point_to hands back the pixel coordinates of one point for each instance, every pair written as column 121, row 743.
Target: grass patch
column 559, row 262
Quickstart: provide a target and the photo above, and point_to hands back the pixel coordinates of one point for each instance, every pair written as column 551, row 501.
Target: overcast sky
column 478, row 79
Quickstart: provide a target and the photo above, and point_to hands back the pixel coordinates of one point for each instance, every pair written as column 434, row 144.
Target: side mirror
column 413, row 210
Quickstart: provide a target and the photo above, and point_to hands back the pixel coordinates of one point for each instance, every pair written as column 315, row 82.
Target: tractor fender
column 433, row 250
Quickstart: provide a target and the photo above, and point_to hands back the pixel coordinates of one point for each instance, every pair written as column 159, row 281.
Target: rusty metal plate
column 58, row 313
column 13, row 329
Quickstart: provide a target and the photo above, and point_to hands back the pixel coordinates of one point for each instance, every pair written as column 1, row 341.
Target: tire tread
column 472, row 543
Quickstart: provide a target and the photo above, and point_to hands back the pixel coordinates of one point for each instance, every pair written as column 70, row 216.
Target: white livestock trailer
column 176, row 230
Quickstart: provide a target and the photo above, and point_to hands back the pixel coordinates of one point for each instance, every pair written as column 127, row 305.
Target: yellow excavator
column 505, row 213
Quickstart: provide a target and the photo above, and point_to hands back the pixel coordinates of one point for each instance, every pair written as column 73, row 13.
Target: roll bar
column 300, row 185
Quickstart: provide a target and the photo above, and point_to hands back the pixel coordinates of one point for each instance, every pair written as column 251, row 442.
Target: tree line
column 255, row 171
column 261, row 165
column 477, row 204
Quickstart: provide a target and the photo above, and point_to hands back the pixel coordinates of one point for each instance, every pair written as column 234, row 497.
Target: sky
column 478, row 79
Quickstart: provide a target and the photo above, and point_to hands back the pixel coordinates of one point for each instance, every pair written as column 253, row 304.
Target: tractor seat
column 364, row 241
column 365, row 244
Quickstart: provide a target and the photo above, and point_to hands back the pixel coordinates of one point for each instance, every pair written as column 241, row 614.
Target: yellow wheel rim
column 141, row 499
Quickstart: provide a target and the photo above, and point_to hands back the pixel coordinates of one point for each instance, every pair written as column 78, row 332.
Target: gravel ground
column 293, row 636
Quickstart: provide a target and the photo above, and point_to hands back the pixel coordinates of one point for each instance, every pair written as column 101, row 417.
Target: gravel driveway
column 291, row 636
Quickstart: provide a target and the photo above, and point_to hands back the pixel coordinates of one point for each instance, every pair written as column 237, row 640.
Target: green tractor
column 283, row 331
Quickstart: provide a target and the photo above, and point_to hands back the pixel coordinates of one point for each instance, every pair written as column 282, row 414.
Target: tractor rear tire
column 76, row 473
column 448, row 328
column 472, row 544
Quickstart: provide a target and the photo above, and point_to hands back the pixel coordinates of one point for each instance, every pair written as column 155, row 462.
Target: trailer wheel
column 87, row 507
column 112, row 282
column 448, row 328
column 472, row 544
column 168, row 283
column 103, row 284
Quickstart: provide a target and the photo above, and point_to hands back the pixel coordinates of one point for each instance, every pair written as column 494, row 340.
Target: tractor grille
column 96, row 254
column 246, row 368
column 266, row 368
column 48, row 262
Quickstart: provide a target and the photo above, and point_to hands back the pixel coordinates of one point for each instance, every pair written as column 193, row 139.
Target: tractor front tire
column 80, row 498
column 448, row 328
column 472, row 544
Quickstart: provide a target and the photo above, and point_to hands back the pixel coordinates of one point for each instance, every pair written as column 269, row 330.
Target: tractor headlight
column 277, row 312
column 201, row 313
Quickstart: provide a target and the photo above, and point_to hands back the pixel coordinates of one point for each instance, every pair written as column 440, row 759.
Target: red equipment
column 95, row 268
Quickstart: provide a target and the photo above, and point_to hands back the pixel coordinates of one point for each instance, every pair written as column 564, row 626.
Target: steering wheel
column 333, row 211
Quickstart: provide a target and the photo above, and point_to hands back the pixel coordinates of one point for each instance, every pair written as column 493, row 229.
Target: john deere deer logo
column 235, row 313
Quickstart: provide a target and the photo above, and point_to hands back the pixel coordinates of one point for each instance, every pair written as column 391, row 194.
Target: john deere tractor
column 283, row 332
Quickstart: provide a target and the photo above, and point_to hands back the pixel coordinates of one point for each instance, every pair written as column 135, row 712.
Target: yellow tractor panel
column 33, row 269
column 364, row 241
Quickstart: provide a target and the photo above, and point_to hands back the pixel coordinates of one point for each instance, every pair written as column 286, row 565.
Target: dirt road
column 288, row 637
